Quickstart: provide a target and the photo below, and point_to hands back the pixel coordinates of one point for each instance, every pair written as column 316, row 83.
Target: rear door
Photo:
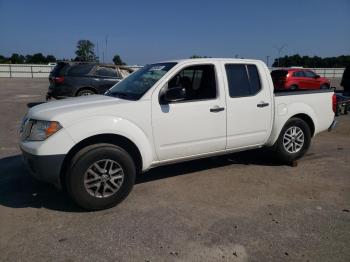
column 78, row 76
column 104, row 78
column 298, row 79
column 249, row 105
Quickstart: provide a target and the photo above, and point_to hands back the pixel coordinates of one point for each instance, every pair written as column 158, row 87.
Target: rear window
column 278, row 73
column 60, row 69
column 243, row 80
column 106, row 71
column 80, row 69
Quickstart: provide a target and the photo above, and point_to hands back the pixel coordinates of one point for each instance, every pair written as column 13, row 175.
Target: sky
column 149, row 31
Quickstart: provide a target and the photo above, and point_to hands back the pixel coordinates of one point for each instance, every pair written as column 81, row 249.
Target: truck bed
column 314, row 105
column 301, row 92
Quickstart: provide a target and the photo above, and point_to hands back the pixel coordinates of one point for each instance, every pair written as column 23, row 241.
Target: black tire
column 324, row 87
column 84, row 160
column 85, row 92
column 280, row 149
column 293, row 87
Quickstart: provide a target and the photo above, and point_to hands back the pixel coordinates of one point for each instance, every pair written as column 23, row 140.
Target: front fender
column 113, row 125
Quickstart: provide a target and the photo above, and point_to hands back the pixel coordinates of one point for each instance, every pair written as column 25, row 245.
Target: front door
column 311, row 81
column 196, row 125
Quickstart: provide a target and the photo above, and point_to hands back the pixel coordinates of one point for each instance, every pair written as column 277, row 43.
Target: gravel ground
column 240, row 207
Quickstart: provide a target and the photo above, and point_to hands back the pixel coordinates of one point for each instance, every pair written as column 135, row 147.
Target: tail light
column 334, row 103
column 58, row 79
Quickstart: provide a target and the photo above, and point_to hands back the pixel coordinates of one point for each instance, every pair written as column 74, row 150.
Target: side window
column 80, row 69
column 106, row 71
column 309, row 74
column 199, row 82
column 243, row 80
column 255, row 85
column 298, row 74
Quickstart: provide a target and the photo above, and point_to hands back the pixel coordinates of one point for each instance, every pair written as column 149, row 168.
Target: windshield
column 137, row 84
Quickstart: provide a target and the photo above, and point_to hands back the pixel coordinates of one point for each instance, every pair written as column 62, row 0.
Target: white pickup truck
column 167, row 112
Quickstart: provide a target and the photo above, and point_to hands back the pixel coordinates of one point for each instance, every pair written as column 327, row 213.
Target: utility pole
column 279, row 51
column 106, row 39
column 267, row 60
column 97, row 51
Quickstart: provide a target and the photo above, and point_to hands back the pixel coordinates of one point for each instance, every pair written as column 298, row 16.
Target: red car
column 293, row 78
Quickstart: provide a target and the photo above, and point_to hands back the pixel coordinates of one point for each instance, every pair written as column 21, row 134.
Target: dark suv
column 69, row 79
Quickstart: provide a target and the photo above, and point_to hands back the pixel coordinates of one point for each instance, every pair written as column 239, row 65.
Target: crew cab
column 167, row 112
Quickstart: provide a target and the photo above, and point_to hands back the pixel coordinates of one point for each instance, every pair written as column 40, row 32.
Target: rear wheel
column 85, row 92
column 293, row 141
column 100, row 176
column 293, row 87
column 324, row 86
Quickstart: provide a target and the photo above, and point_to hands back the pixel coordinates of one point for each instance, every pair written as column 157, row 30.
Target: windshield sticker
column 156, row 68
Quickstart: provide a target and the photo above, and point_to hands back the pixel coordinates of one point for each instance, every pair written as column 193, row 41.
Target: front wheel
column 293, row 141
column 100, row 176
column 85, row 92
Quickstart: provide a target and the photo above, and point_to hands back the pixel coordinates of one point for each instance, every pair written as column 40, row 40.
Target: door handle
column 216, row 109
column 262, row 104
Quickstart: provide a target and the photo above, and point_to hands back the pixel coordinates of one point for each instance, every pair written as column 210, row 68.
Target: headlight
column 23, row 123
column 39, row 130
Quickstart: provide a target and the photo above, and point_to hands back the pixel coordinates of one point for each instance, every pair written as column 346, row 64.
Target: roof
column 290, row 69
column 96, row 63
column 236, row 60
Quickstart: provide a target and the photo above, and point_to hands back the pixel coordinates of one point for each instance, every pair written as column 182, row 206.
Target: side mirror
column 317, row 76
column 174, row 94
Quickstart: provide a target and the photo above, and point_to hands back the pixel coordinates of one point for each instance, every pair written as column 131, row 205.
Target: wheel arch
column 297, row 110
column 85, row 88
column 108, row 138
column 308, row 120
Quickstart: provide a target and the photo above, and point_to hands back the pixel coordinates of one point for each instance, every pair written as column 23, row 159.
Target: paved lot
column 242, row 207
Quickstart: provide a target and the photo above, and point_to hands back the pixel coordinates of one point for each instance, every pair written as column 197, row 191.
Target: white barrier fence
column 43, row 71
column 29, row 70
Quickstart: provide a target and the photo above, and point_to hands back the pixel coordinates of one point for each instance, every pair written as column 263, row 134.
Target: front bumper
column 59, row 92
column 46, row 168
column 51, row 94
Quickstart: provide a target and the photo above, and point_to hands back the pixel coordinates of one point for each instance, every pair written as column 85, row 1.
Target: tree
column 118, row 61
column 17, row 59
column 51, row 58
column 310, row 62
column 37, row 58
column 4, row 60
column 85, row 51
column 198, row 56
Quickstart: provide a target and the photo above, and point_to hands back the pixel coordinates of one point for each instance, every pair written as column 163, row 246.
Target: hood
column 72, row 109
